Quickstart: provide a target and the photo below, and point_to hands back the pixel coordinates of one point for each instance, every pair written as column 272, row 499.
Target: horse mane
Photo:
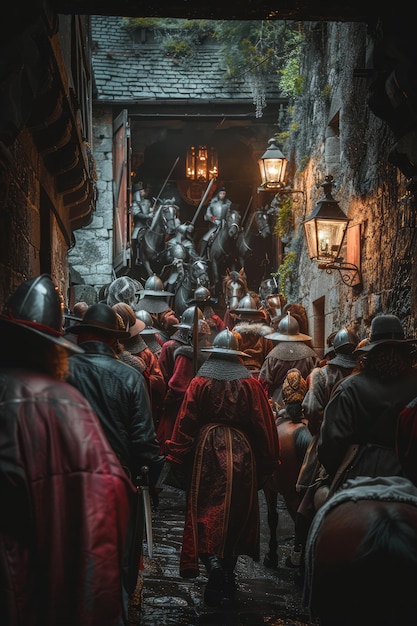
column 156, row 214
column 389, row 536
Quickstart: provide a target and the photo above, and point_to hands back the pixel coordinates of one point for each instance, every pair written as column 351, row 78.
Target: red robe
column 65, row 508
column 226, row 439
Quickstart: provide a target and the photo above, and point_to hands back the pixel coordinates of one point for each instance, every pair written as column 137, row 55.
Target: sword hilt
column 143, row 478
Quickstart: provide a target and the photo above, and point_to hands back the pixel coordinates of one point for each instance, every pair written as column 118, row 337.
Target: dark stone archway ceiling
column 220, row 10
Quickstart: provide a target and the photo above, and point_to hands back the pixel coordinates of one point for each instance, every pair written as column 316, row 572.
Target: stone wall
column 334, row 132
column 91, row 258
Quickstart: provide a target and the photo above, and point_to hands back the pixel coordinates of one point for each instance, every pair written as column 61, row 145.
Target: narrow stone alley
column 265, row 596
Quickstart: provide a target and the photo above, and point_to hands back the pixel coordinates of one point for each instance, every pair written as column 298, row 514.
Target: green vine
column 254, row 51
column 284, row 272
column 284, row 222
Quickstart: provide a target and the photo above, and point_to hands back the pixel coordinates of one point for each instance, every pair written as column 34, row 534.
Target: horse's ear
column 242, row 271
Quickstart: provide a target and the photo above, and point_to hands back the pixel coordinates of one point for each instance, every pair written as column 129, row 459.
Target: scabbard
column 136, row 544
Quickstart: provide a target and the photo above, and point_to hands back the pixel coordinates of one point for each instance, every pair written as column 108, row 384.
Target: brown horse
column 234, row 287
column 294, row 438
column 361, row 555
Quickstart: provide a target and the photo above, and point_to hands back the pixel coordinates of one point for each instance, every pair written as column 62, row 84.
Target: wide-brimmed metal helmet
column 288, row 330
column 345, row 341
column 37, row 308
column 187, row 317
column 247, row 308
column 225, row 343
column 154, row 287
column 146, row 317
column 344, row 345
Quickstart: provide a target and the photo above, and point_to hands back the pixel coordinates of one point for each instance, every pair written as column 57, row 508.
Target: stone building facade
column 336, row 128
column 336, row 132
column 169, row 104
column 355, row 119
column 47, row 178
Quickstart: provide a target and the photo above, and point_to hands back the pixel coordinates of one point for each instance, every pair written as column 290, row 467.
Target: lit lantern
column 273, row 167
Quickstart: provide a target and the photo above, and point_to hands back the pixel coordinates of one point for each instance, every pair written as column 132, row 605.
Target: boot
column 230, row 586
column 215, row 585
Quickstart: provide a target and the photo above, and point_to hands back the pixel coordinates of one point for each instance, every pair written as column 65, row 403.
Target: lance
column 158, row 197
column 195, row 339
column 202, row 201
column 247, row 210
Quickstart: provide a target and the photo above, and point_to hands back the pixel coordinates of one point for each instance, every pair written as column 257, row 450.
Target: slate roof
column 130, row 72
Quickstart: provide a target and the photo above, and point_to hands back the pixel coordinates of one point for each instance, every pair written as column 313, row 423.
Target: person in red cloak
column 225, row 443
column 66, row 498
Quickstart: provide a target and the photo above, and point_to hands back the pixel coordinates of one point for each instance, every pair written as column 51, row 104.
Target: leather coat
column 119, row 396
column 363, row 410
column 65, row 508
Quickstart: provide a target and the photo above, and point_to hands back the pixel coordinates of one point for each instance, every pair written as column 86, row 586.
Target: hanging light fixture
column 273, row 167
column 201, row 163
column 325, row 229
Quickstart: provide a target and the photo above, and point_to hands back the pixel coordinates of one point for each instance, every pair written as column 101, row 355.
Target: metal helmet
column 288, row 330
column 123, row 289
column 187, row 317
column 37, row 307
column 154, row 287
column 202, row 294
column 247, row 307
column 146, row 318
column 274, row 304
column 345, row 341
column 225, row 343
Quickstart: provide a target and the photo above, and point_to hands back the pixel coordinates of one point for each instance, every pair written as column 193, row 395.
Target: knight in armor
column 183, row 236
column 142, row 210
column 217, row 210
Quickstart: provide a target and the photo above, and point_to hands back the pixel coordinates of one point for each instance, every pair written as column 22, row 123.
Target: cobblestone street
column 264, row 596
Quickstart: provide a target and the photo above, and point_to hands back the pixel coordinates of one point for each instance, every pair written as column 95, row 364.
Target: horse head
column 262, row 223
column 235, row 286
column 200, row 273
column 233, row 224
column 169, row 212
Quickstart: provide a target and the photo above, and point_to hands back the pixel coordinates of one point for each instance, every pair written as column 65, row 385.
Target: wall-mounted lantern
column 201, row 163
column 273, row 167
column 325, row 229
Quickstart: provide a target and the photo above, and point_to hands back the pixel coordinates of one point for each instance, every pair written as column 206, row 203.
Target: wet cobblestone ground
column 264, row 596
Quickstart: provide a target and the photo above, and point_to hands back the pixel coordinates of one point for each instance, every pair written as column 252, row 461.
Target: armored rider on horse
column 217, row 211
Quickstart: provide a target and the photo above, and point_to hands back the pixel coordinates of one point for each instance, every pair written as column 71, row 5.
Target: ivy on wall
column 255, row 52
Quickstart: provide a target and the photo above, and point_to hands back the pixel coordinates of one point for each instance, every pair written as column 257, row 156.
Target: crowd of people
column 92, row 400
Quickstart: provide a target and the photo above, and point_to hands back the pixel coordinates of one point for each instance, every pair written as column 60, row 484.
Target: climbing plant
column 284, row 272
column 254, row 52
column 284, row 221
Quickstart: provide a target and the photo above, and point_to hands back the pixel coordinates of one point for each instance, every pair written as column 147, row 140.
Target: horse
column 151, row 241
column 294, row 438
column 244, row 250
column 189, row 277
column 234, row 287
column 361, row 555
column 220, row 250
